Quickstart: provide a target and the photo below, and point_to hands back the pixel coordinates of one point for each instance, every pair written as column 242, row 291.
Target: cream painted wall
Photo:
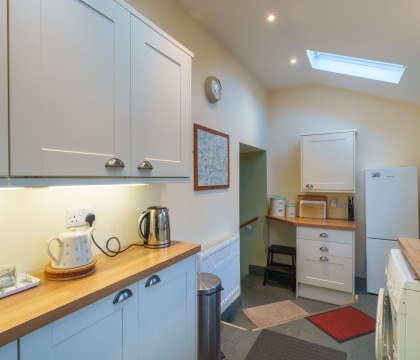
column 388, row 135
column 28, row 217
column 206, row 216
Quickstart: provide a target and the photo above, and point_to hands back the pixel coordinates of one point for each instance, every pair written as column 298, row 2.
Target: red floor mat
column 344, row 324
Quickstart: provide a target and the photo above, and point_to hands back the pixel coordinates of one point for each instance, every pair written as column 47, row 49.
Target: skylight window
column 347, row 65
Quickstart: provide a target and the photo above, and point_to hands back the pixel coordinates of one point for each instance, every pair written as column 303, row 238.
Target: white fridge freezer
column 391, row 200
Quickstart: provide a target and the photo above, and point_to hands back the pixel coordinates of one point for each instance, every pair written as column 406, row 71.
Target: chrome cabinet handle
column 323, row 248
column 309, row 186
column 323, row 235
column 122, row 296
column 153, row 280
column 323, row 258
column 145, row 165
column 114, row 163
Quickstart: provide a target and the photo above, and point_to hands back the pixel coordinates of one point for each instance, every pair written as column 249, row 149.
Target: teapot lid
column 73, row 233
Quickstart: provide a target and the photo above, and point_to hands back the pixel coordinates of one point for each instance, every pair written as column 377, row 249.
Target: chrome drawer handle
column 122, row 296
column 323, row 258
column 323, row 248
column 153, row 280
column 145, row 165
column 114, row 163
column 309, row 186
column 323, row 235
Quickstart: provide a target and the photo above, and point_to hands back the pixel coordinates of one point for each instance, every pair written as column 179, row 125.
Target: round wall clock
column 213, row 88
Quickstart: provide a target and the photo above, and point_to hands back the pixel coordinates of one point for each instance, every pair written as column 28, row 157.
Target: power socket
column 77, row 216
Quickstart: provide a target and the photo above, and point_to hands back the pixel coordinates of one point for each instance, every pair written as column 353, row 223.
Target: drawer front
column 331, row 272
column 311, row 233
column 326, row 248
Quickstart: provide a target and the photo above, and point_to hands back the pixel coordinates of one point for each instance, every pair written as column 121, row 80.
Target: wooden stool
column 275, row 271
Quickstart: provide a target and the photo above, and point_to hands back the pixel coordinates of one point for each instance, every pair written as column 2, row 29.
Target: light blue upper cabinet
column 69, row 88
column 160, row 104
column 4, row 139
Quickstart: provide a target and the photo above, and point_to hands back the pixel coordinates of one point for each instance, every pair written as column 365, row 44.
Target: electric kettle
column 73, row 249
column 153, row 227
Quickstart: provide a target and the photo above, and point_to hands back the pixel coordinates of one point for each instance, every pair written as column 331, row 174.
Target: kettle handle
column 57, row 261
column 143, row 217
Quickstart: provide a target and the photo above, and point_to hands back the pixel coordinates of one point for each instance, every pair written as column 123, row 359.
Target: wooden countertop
column 338, row 224
column 31, row 309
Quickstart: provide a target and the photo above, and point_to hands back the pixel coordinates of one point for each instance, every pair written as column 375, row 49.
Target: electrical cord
column 90, row 218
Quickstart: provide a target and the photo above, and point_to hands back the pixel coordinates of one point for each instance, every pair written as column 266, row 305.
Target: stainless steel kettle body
column 153, row 227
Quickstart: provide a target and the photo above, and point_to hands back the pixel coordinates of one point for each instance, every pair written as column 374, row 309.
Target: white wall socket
column 77, row 216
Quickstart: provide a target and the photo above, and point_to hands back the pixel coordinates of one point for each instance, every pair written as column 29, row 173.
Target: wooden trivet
column 69, row 274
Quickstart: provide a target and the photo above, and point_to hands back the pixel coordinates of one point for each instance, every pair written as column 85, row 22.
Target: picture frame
column 211, row 159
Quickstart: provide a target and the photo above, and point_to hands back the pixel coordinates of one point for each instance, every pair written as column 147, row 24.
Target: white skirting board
column 222, row 258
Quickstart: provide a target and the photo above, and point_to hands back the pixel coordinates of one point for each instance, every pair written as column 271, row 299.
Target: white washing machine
column 398, row 312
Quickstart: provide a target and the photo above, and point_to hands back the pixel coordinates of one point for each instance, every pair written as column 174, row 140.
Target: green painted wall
column 253, row 200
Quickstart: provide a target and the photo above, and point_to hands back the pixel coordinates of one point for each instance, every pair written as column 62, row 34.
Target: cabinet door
column 9, row 351
column 327, row 162
column 4, row 131
column 69, row 87
column 102, row 330
column 160, row 104
column 168, row 313
column 332, row 272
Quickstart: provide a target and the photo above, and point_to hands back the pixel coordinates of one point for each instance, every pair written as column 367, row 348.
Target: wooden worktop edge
column 24, row 312
column 338, row 224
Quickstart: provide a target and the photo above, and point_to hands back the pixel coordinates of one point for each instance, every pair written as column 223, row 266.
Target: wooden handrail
column 248, row 222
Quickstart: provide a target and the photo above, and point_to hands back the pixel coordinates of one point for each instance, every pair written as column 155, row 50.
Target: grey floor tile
column 236, row 343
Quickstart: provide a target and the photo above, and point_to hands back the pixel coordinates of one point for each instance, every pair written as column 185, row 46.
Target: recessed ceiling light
column 271, row 17
column 293, row 61
column 347, row 65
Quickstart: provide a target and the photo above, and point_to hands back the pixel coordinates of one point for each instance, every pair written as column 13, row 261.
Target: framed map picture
column 211, row 159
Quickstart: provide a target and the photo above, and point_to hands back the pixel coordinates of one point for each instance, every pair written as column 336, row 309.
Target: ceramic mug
column 73, row 249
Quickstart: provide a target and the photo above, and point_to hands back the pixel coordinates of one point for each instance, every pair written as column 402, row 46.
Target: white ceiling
column 384, row 30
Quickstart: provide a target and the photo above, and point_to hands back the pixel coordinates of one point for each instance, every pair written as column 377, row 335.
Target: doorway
column 252, row 207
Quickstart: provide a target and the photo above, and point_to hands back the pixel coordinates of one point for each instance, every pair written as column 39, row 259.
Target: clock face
column 217, row 88
column 213, row 88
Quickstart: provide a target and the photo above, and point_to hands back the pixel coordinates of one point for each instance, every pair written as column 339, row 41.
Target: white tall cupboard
column 328, row 161
column 160, row 104
column 4, row 131
column 69, row 87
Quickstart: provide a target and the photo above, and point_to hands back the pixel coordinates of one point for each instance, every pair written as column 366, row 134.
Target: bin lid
column 208, row 283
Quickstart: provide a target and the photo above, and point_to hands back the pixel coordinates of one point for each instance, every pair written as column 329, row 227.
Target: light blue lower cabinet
column 157, row 322
column 168, row 313
column 102, row 330
column 9, row 351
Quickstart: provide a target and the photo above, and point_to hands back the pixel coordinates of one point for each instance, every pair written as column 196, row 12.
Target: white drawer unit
column 331, row 235
column 325, row 264
column 326, row 248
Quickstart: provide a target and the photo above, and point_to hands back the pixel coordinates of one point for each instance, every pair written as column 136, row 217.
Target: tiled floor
column 236, row 343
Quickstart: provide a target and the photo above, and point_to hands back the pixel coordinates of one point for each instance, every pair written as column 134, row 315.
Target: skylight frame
column 347, row 65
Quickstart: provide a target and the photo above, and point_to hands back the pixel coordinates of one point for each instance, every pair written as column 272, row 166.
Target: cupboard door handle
column 122, row 296
column 323, row 248
column 153, row 280
column 114, row 163
column 323, row 235
column 309, row 186
column 323, row 258
column 145, row 165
